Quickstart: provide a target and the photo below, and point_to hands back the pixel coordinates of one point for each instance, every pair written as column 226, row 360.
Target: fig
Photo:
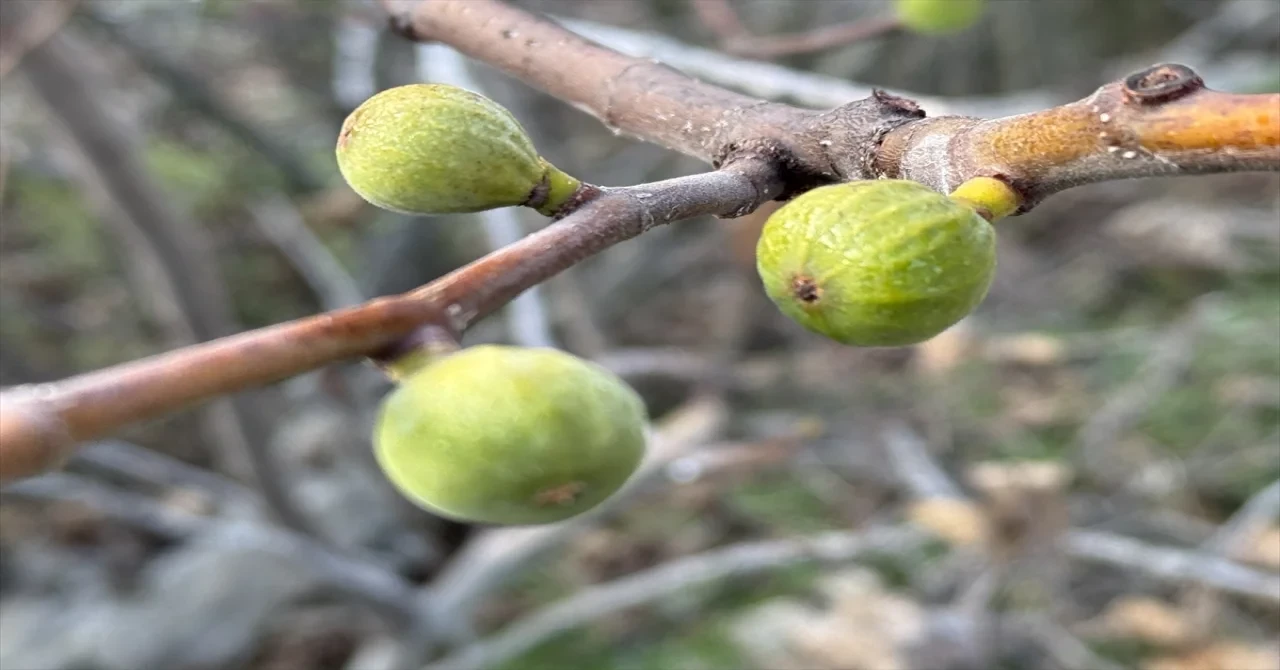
column 876, row 263
column 937, row 17
column 440, row 149
column 506, row 435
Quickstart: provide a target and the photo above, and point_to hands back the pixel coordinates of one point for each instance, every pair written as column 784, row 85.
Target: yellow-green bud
column 508, row 435
column 876, row 263
column 439, row 149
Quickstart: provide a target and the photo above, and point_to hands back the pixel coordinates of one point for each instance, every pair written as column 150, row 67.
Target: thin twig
column 526, row 317
column 191, row 90
column 362, row 580
column 127, row 460
column 1066, row 649
column 355, row 55
column 284, row 226
column 917, row 470
column 1256, row 514
column 674, row 577
column 1175, row 565
column 818, row 39
column 1169, row 358
column 775, row 82
column 41, row 424
column 720, row 17
column 32, row 32
column 191, row 276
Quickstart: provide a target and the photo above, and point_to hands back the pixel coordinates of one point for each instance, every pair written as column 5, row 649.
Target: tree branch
column 1160, row 121
column 675, row 576
column 720, row 18
column 41, row 424
column 192, row 280
column 645, row 99
column 187, row 88
column 1176, row 565
column 772, row 81
column 362, row 580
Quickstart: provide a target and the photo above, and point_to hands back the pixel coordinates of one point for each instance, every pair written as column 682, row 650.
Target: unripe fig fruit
column 938, row 17
column 876, row 263
column 439, row 149
column 508, row 435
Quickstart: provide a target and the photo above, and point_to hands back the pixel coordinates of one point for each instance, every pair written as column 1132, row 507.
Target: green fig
column 440, row 149
column 937, row 17
column 508, row 435
column 876, row 263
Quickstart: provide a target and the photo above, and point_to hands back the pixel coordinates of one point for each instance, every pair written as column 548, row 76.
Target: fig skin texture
column 876, row 263
column 938, row 17
column 440, row 149
column 510, row 436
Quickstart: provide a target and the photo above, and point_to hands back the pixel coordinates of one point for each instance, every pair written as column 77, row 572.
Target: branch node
column 1161, row 83
column 412, row 351
column 852, row 133
column 585, row 194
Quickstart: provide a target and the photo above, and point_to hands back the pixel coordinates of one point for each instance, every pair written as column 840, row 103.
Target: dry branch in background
column 1161, row 121
column 673, row 577
column 188, row 89
column 364, row 581
column 720, row 18
column 192, row 282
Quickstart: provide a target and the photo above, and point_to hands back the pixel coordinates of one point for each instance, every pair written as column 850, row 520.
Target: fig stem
column 991, row 198
column 561, row 188
column 420, row 349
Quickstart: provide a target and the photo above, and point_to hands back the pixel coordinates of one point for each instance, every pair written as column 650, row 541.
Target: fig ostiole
column 504, row 435
column 876, row 263
column 938, row 17
column 440, row 149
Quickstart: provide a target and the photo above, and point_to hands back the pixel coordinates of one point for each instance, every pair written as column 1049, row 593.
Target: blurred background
column 1083, row 475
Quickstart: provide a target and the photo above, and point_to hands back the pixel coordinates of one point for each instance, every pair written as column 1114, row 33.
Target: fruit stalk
column 991, row 198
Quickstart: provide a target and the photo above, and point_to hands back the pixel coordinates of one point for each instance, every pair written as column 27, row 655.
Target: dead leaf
column 1148, row 620
column 1025, row 349
column 957, row 521
column 1000, row 479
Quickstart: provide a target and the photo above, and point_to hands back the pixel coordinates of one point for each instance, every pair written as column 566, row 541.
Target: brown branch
column 1161, row 121
column 669, row 578
column 719, row 17
column 32, row 31
column 40, row 424
column 191, row 287
column 188, row 89
column 641, row 98
column 357, row 577
column 818, row 39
